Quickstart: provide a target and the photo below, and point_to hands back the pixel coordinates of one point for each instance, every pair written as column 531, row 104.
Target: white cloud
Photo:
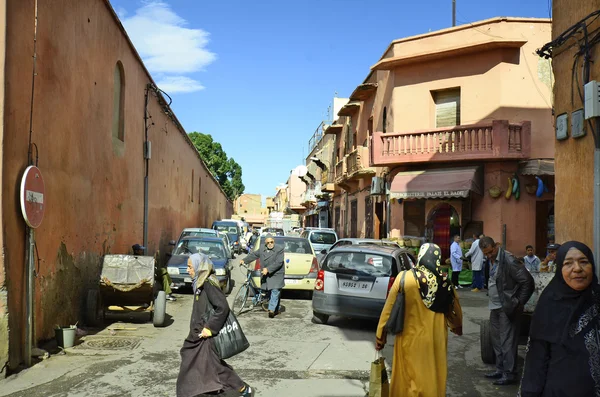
column 175, row 84
column 167, row 46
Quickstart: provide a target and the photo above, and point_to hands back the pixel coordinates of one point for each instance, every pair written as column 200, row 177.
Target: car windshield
column 359, row 263
column 322, row 238
column 294, row 245
column 214, row 249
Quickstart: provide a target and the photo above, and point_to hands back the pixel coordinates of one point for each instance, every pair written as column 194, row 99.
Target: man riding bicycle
column 272, row 270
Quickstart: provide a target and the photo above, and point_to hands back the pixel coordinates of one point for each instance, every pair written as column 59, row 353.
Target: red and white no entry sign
column 32, row 196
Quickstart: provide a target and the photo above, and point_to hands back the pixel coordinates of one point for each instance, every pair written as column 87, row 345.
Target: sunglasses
column 269, row 242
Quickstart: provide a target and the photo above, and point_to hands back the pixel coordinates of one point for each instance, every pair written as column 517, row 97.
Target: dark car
column 354, row 281
column 211, row 246
column 236, row 247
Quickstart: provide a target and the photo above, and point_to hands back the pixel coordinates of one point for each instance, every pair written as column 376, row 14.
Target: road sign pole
column 30, row 294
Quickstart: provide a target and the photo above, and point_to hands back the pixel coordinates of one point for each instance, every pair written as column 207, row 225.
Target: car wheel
column 228, row 286
column 320, row 318
column 485, row 339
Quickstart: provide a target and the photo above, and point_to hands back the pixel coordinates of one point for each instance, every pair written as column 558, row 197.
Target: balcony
column 309, row 197
column 340, row 171
column 357, row 163
column 327, row 181
column 498, row 140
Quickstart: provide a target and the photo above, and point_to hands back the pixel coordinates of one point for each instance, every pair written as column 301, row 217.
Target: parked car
column 300, row 262
column 203, row 232
column 320, row 239
column 354, row 281
column 356, row 241
column 233, row 231
column 227, row 242
column 214, row 247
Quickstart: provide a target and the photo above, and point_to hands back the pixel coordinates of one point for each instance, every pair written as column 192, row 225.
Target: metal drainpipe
column 147, row 161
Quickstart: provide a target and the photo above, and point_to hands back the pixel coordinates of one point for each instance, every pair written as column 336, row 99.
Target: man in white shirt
column 477, row 259
column 456, row 260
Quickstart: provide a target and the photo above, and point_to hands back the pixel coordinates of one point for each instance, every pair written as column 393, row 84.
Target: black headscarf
column 436, row 291
column 560, row 306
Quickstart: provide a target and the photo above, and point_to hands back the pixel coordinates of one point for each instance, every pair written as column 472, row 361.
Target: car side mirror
column 172, row 242
column 324, row 252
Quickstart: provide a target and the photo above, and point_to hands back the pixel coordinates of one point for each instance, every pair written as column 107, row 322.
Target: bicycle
column 259, row 296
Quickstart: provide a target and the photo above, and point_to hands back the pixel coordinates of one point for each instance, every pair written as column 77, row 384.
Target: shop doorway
column 379, row 224
column 443, row 223
column 544, row 226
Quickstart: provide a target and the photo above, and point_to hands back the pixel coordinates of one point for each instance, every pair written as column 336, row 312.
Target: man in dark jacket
column 510, row 286
column 272, row 269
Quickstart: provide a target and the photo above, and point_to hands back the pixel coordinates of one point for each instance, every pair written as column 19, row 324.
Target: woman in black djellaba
column 202, row 371
column 563, row 356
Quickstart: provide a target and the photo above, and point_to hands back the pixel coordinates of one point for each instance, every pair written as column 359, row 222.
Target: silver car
column 320, row 239
column 354, row 281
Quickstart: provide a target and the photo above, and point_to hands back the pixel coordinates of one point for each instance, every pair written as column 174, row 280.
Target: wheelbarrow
column 126, row 286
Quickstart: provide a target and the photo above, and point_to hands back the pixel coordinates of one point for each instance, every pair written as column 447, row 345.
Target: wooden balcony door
column 354, row 218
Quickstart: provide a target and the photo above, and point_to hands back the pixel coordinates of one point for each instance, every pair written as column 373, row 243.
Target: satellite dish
column 300, row 171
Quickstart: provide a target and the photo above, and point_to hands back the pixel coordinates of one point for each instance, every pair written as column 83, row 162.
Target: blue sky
column 259, row 75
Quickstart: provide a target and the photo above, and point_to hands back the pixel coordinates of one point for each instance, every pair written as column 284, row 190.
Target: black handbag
column 231, row 340
column 395, row 323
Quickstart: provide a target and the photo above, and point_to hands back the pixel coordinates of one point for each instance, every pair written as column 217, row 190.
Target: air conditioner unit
column 377, row 186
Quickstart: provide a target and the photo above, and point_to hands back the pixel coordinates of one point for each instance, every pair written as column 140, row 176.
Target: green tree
column 225, row 169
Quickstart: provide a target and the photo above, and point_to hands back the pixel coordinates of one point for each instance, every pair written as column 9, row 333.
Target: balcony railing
column 491, row 141
column 340, row 171
column 357, row 163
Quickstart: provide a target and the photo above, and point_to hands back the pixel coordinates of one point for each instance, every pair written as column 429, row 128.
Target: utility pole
column 453, row 12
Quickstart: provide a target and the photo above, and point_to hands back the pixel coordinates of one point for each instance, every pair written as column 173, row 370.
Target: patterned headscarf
column 204, row 270
column 436, row 291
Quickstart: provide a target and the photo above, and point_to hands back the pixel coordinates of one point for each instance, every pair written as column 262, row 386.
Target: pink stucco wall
column 94, row 185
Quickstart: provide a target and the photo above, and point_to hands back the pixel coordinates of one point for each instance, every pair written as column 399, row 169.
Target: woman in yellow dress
column 420, row 365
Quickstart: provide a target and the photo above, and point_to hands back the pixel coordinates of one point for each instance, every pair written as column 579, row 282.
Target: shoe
column 475, row 290
column 504, row 380
column 171, row 298
column 494, row 375
column 458, row 287
column 248, row 392
column 271, row 314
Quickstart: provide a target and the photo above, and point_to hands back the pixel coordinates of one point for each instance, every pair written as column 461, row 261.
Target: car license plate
column 355, row 285
column 290, row 281
column 187, row 280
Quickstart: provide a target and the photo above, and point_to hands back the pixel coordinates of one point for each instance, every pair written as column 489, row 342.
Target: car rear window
column 294, row 245
column 359, row 263
column 199, row 234
column 322, row 238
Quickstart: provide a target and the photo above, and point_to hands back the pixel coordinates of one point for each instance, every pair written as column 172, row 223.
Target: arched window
column 384, row 120
column 118, row 124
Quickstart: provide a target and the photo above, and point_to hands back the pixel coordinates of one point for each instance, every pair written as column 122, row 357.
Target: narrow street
column 288, row 356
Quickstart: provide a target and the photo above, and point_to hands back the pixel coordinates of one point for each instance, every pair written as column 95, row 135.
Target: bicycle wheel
column 240, row 300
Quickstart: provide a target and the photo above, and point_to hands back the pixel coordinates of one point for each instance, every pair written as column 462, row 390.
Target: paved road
column 288, row 356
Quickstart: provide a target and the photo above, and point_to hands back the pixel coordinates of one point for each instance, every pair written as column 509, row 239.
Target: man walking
column 510, row 286
column 272, row 269
column 456, row 260
column 161, row 275
column 476, row 263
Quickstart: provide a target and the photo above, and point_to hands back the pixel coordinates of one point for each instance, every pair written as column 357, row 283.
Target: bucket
column 65, row 337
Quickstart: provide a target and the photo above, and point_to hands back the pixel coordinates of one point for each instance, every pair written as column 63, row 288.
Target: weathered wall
column 3, row 280
column 574, row 161
column 94, row 184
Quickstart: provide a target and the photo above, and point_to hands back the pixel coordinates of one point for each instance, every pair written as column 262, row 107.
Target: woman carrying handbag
column 430, row 306
column 202, row 370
